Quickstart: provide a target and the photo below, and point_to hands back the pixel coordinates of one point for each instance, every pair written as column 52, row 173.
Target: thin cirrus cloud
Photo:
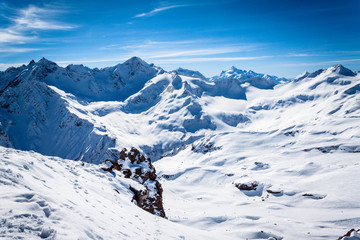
column 209, row 59
column 198, row 52
column 35, row 17
column 170, row 60
column 155, row 44
column 24, row 25
column 301, row 55
column 161, row 9
column 157, row 10
column 8, row 65
column 9, row 36
column 18, row 50
column 185, row 48
column 320, row 63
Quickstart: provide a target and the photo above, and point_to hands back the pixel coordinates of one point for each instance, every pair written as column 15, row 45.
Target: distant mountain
column 112, row 83
column 258, row 80
column 43, row 100
column 190, row 73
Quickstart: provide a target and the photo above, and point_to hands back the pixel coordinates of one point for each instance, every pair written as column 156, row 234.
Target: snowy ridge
column 258, row 80
column 32, row 113
column 237, row 155
column 112, row 83
column 190, row 73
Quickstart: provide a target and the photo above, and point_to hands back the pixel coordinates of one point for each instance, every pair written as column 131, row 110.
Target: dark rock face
column 132, row 164
column 247, row 186
column 205, row 147
column 273, row 192
column 343, row 70
column 150, row 202
column 349, row 233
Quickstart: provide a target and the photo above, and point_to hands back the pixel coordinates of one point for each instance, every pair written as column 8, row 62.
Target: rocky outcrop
column 247, row 186
column 205, row 147
column 351, row 235
column 132, row 164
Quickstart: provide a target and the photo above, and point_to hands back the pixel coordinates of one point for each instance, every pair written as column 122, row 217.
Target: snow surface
column 296, row 143
column 53, row 198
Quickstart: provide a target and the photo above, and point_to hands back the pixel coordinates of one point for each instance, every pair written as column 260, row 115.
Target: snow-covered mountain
column 258, row 80
column 112, row 83
column 241, row 155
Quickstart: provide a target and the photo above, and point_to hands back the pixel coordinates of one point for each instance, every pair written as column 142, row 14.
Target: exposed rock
column 247, row 186
column 274, row 192
column 314, row 196
column 351, row 235
column 204, row 147
column 326, row 149
column 291, row 133
column 132, row 164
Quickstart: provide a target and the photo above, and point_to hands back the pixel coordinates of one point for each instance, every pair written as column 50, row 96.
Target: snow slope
column 301, row 147
column 52, row 198
column 240, row 156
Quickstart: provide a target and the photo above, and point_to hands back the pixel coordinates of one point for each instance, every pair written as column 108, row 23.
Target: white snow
column 54, row 198
column 297, row 141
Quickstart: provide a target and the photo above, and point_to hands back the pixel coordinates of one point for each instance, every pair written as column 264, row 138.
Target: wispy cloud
column 9, row 36
column 18, row 49
column 208, row 59
column 24, row 25
column 157, row 10
column 184, row 48
column 117, row 60
column 315, row 53
column 348, row 52
column 154, row 44
column 34, row 17
column 187, row 50
column 4, row 66
column 198, row 52
column 321, row 63
column 300, row 55
column 167, row 61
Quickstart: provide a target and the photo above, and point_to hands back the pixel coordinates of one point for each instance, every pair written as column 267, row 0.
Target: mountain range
column 241, row 155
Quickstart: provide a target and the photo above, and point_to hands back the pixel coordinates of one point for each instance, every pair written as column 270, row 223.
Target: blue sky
column 283, row 38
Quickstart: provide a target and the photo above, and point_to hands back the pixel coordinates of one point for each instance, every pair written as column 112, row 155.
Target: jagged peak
column 340, row 69
column 189, row 73
column 134, row 61
column 44, row 61
column 134, row 64
column 316, row 73
column 302, row 76
column 233, row 68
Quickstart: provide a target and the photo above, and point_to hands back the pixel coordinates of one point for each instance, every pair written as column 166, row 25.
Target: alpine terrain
column 136, row 152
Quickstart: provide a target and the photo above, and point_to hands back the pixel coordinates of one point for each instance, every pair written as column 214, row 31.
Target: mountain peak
column 233, row 68
column 44, row 61
column 340, row 69
column 258, row 80
column 190, row 73
column 135, row 60
column 236, row 70
column 302, row 76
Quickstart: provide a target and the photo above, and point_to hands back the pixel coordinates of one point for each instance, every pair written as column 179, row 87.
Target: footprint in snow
column 31, row 198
